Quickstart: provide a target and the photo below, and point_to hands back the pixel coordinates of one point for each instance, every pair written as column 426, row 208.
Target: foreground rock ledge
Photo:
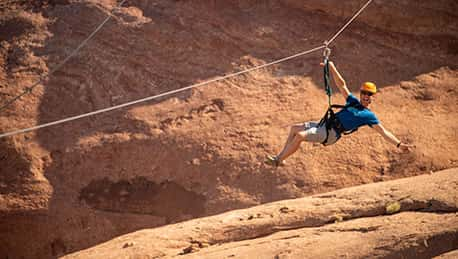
column 326, row 225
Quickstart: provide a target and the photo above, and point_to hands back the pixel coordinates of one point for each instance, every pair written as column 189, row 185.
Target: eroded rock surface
column 199, row 153
column 326, row 225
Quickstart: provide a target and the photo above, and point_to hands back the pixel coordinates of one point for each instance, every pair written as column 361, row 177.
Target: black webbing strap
column 327, row 80
column 331, row 122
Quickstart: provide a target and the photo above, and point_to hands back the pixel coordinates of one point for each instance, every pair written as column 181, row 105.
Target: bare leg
column 292, row 144
column 296, row 128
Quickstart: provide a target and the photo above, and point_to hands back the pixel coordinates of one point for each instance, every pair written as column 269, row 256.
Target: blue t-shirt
column 355, row 117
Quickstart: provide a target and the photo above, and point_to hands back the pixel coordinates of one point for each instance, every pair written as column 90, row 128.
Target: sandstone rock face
column 328, row 225
column 200, row 153
column 422, row 18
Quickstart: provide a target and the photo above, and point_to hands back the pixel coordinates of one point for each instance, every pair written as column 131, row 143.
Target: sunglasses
column 367, row 93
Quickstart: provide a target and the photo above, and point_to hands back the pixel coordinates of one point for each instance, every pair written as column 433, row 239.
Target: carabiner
column 327, row 50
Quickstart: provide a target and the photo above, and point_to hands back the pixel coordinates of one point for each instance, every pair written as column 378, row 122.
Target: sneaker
column 272, row 160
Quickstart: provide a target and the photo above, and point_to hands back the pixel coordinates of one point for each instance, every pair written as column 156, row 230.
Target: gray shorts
column 317, row 134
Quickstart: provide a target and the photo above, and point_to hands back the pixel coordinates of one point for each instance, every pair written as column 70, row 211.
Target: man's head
column 368, row 89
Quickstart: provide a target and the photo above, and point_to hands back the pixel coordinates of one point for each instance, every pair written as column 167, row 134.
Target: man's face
column 366, row 98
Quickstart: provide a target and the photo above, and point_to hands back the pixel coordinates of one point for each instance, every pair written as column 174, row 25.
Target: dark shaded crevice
column 142, row 196
column 361, row 229
column 430, row 206
column 14, row 27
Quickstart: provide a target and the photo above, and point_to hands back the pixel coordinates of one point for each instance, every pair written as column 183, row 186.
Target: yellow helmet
column 369, row 87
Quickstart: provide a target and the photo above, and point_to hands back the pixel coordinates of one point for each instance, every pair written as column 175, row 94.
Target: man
column 355, row 114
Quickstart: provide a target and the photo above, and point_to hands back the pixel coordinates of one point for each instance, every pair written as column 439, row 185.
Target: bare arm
column 390, row 137
column 386, row 134
column 339, row 81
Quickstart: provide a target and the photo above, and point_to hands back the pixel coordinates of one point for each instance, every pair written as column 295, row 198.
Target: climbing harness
column 330, row 120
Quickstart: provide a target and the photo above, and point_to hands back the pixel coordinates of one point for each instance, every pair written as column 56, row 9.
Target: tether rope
column 349, row 22
column 324, row 46
column 62, row 63
column 157, row 96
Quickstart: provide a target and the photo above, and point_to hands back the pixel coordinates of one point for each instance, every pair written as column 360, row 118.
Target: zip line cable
column 62, row 63
column 324, row 46
column 157, row 96
column 349, row 22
